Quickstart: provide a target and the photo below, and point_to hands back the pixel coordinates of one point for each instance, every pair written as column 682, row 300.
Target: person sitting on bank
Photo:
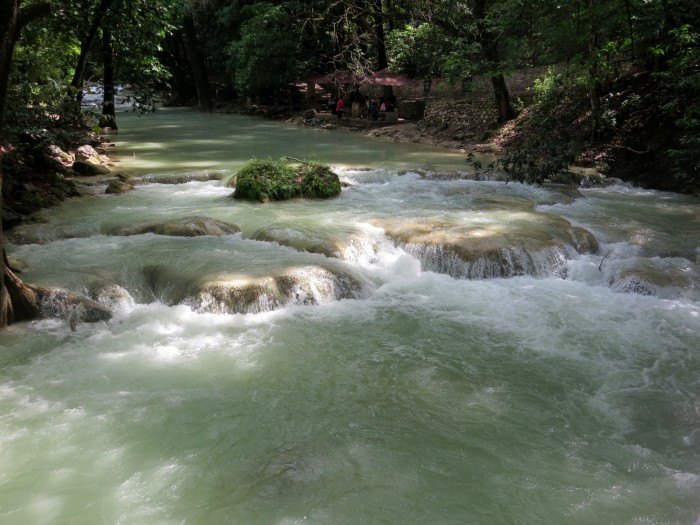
column 340, row 107
column 374, row 110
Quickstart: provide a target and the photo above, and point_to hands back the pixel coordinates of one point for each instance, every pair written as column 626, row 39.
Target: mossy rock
column 266, row 180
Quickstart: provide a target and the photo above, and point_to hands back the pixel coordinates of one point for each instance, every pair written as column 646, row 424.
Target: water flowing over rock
column 347, row 246
column 527, row 243
column 239, row 293
column 68, row 305
column 312, row 242
column 112, row 296
column 189, row 227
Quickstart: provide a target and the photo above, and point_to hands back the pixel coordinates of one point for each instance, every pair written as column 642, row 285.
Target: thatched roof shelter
column 384, row 77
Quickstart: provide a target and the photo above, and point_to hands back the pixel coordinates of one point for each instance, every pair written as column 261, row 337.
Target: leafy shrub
column 682, row 80
column 553, row 129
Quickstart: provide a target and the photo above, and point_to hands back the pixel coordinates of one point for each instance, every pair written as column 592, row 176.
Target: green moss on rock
column 267, row 180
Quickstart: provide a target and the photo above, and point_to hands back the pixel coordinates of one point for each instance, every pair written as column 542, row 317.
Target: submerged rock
column 312, row 242
column 669, row 279
column 17, row 265
column 117, row 187
column 180, row 178
column 527, row 243
column 189, row 227
column 346, row 246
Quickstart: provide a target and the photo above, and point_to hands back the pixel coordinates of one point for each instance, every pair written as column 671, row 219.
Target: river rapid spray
column 567, row 393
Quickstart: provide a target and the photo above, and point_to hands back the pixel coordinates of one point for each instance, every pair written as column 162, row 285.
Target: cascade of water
column 325, row 365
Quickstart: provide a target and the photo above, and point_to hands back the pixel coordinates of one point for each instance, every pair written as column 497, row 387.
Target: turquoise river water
column 431, row 390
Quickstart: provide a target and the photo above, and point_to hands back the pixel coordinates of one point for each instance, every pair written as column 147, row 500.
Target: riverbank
column 40, row 171
column 403, row 131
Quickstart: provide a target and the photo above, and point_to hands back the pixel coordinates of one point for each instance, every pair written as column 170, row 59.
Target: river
column 381, row 357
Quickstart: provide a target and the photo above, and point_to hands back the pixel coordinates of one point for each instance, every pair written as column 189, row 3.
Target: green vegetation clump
column 268, row 180
column 318, row 181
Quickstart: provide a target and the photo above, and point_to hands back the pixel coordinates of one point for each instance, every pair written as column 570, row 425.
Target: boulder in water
column 86, row 169
column 188, row 227
column 87, row 153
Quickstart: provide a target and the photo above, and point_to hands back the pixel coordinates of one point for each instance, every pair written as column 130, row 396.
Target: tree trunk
column 489, row 47
column 379, row 34
column 199, row 70
column 21, row 302
column 85, row 45
column 16, row 299
column 500, row 90
column 109, row 119
column 382, row 61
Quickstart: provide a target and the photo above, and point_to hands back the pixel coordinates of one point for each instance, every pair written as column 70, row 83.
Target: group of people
column 376, row 110
column 369, row 108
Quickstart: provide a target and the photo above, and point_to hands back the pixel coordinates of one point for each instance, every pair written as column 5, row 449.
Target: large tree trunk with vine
column 197, row 65
column 108, row 119
column 17, row 300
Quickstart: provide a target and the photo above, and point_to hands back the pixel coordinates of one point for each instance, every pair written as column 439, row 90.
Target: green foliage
column 551, row 137
column 426, row 51
column 267, row 55
column 418, row 51
column 37, row 99
column 683, row 82
column 267, row 180
column 139, row 28
column 318, row 181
